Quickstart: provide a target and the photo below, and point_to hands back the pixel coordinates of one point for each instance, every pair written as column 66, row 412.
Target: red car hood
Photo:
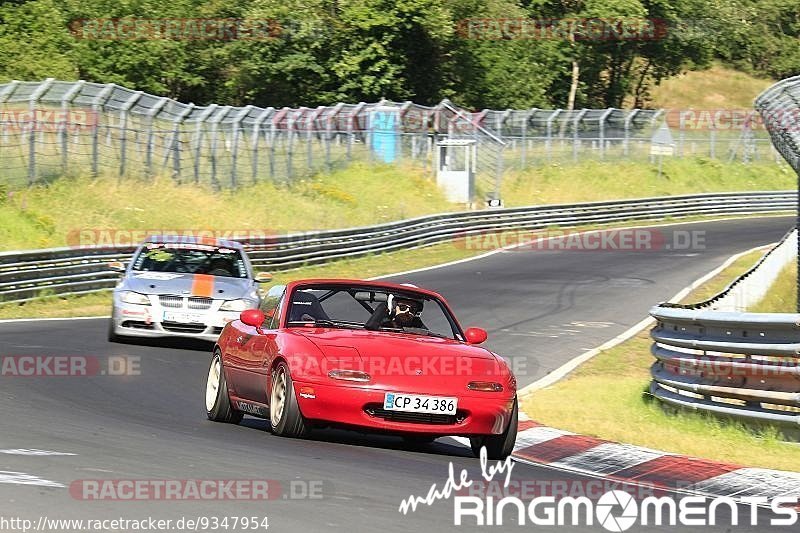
column 426, row 364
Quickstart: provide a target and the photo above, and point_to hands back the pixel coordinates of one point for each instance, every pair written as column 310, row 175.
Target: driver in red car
column 396, row 313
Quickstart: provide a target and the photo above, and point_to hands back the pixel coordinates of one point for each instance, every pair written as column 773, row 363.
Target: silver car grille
column 194, row 303
column 175, row 302
column 200, row 303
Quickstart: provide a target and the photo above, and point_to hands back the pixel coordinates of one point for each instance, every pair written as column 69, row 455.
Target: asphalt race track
column 545, row 307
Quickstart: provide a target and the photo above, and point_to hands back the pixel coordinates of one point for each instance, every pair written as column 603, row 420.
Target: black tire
column 285, row 418
column 221, row 410
column 498, row 447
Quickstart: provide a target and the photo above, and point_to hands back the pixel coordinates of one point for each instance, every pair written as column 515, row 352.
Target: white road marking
column 591, row 324
column 33, row 451
column 461, row 440
column 530, row 334
column 21, row 478
column 555, row 331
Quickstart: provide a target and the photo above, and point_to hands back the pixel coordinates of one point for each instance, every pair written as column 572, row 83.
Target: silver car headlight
column 130, row 297
column 236, row 305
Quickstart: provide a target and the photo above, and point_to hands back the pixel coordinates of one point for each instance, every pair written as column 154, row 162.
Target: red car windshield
column 371, row 308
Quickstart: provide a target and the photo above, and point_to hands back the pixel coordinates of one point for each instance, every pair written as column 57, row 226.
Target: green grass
column 718, row 87
column 606, row 398
column 719, row 282
column 597, row 180
column 54, row 214
column 94, row 304
column 46, row 216
column 782, row 294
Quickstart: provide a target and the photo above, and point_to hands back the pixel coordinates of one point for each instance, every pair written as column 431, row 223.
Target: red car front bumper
column 363, row 407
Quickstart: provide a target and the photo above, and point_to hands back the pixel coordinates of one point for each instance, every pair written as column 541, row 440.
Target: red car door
column 257, row 349
column 252, row 384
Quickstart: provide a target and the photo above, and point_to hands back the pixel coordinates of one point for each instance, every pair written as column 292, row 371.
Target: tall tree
column 35, row 42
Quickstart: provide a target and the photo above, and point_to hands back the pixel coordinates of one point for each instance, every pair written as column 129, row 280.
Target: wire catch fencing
column 53, row 128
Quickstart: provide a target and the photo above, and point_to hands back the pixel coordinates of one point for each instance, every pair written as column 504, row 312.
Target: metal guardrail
column 743, row 365
column 732, row 364
column 32, row 274
column 735, row 364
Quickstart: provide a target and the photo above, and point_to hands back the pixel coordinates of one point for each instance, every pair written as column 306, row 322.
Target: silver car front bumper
column 157, row 321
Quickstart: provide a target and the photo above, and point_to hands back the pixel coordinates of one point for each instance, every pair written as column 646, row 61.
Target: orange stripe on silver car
column 203, row 285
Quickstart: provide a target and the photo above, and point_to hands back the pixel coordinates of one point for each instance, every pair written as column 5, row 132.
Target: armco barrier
column 731, row 363
column 31, row 274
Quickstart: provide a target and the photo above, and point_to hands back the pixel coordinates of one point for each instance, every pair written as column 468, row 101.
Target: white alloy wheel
column 212, row 384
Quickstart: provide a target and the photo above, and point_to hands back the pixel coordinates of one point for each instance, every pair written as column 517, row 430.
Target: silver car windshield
column 190, row 259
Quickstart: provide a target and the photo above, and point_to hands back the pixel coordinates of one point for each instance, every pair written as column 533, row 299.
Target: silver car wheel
column 212, row 384
column 278, row 396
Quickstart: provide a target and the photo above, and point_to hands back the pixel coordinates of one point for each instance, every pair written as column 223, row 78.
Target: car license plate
column 420, row 404
column 184, row 318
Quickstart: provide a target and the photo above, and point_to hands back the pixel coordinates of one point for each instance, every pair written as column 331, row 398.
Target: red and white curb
column 625, row 463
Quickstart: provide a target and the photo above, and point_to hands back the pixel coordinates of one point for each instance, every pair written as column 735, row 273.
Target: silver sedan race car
column 185, row 287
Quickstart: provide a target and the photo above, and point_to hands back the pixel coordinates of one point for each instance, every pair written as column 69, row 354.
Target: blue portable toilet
column 384, row 132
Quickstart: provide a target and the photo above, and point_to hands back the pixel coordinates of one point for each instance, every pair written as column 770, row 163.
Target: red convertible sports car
column 366, row 355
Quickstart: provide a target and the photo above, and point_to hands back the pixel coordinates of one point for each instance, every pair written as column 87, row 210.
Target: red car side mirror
column 475, row 335
column 253, row 317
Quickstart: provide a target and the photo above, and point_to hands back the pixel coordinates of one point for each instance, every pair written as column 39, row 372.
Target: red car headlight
column 349, row 375
column 485, row 386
